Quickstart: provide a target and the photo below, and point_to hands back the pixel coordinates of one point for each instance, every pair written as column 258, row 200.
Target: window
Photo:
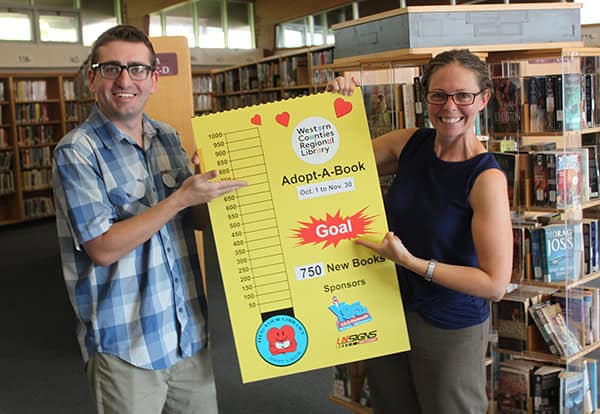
column 208, row 23
column 210, row 26
column 590, row 13
column 316, row 29
column 239, row 33
column 16, row 25
column 156, row 25
column 312, row 30
column 71, row 21
column 180, row 22
column 59, row 27
column 292, row 34
column 64, row 4
column 96, row 17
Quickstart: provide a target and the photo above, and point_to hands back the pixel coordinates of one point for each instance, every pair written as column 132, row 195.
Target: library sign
column 301, row 294
column 166, row 64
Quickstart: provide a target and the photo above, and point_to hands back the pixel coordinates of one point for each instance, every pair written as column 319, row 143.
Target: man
column 124, row 195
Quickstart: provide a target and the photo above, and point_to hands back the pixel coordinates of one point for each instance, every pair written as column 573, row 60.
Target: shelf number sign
column 166, row 64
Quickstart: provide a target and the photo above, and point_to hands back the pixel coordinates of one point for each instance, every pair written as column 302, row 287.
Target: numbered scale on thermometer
column 256, row 242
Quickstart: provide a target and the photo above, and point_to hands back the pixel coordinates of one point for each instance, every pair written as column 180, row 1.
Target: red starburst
column 333, row 229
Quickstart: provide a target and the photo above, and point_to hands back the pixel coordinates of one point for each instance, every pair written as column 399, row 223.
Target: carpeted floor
column 41, row 366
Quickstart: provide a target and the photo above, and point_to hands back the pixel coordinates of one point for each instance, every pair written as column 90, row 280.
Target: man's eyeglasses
column 112, row 71
column 460, row 98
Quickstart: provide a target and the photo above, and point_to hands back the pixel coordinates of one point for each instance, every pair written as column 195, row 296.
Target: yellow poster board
column 301, row 294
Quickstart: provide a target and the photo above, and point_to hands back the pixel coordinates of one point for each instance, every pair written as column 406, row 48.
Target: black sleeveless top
column 428, row 209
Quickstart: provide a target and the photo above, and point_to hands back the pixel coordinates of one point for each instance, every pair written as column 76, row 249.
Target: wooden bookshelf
column 202, row 91
column 285, row 75
column 355, row 407
column 36, row 111
column 550, row 358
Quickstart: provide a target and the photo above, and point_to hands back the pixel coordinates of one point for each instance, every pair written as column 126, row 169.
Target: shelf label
column 24, row 59
column 166, row 64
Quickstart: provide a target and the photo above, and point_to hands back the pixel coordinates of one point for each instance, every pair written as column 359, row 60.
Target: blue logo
column 349, row 315
column 281, row 340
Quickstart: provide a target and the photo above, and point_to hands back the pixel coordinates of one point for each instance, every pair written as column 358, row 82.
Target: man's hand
column 198, row 189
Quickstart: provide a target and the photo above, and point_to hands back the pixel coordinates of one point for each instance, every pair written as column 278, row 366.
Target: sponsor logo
column 349, row 315
column 356, row 339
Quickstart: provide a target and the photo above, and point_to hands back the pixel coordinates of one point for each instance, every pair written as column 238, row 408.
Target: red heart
column 256, row 120
column 341, row 107
column 283, row 118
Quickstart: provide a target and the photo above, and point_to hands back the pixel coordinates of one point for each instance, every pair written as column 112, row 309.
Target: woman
column 451, row 238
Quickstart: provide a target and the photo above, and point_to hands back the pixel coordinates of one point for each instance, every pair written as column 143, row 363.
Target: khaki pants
column 443, row 373
column 118, row 387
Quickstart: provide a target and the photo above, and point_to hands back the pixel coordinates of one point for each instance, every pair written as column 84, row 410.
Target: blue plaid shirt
column 148, row 308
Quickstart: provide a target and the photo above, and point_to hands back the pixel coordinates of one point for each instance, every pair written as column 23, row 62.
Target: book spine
column 558, row 101
column 536, row 254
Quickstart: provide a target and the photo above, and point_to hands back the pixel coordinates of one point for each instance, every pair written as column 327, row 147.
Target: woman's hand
column 342, row 85
column 391, row 247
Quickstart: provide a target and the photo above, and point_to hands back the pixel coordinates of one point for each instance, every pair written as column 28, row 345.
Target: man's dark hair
column 125, row 33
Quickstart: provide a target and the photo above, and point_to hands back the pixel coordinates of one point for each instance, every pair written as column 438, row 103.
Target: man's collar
column 110, row 134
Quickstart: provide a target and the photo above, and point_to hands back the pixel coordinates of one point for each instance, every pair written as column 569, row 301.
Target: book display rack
column 546, row 104
column 547, row 139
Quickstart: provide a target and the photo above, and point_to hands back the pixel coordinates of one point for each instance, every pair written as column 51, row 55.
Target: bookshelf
column 387, row 73
column 202, row 91
column 555, row 95
column 36, row 110
column 285, row 75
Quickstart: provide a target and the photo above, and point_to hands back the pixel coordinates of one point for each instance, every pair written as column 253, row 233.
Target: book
column 588, row 100
column 571, row 392
column 536, row 253
column 508, row 163
column 558, row 103
column 550, row 164
column 573, row 101
column 593, row 173
column 587, row 246
column 514, row 386
column 525, row 179
column 582, row 177
column 550, row 103
column 566, row 343
column 505, row 105
column 540, row 179
column 544, row 328
column 561, row 252
column 512, row 321
column 592, row 370
column 576, row 305
column 379, row 107
column 581, row 366
column 408, row 105
column 502, row 145
column 536, row 99
column 522, row 267
column 546, row 389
